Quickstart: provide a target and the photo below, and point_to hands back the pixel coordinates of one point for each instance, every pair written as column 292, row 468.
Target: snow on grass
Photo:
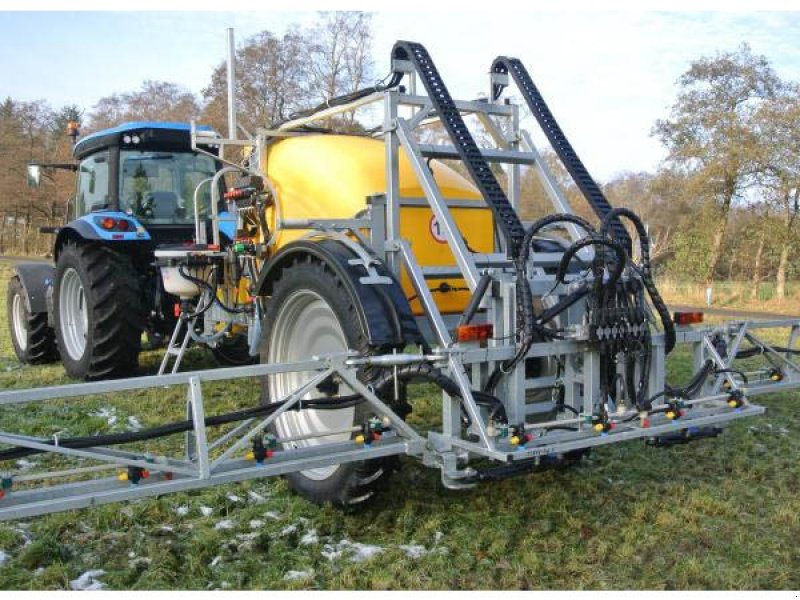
column 88, row 581
column 256, row 497
column 270, row 514
column 215, row 561
column 182, row 510
column 295, row 575
column 107, row 414
column 24, row 464
column 256, row 524
column 134, row 424
column 309, row 537
column 289, row 529
column 224, row 524
column 3, row 558
column 413, row 550
column 354, row 551
column 234, row 498
column 206, row 511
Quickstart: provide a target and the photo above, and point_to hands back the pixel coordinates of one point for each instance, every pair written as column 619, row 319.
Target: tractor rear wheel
column 33, row 340
column 311, row 312
column 98, row 311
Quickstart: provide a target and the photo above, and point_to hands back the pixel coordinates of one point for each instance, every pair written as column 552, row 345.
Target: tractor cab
column 146, row 171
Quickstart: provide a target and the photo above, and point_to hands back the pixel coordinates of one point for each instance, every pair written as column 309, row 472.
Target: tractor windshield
column 158, row 187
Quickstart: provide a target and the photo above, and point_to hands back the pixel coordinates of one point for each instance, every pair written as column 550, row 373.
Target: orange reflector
column 108, row 223
column 474, row 333
column 687, row 318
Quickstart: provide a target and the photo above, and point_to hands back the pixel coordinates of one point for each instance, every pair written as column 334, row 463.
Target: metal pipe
column 199, row 231
column 231, row 85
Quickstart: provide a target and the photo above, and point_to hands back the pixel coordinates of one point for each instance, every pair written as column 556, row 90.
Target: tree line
column 722, row 205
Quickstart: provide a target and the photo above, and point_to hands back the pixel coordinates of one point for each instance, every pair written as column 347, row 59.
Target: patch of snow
column 107, row 414
column 134, row 424
column 24, row 464
column 88, row 581
column 289, row 529
column 234, row 498
column 256, row 524
column 437, row 537
column 256, row 497
column 206, row 511
column 414, row 551
column 310, row 537
column 294, row 575
column 355, row 551
column 303, row 521
column 215, row 561
column 131, row 554
column 3, row 558
column 224, row 524
column 182, row 511
column 167, row 528
column 272, row 515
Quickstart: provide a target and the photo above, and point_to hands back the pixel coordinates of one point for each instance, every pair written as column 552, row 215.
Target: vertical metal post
column 231, row 85
column 377, row 214
column 392, row 180
column 514, row 179
column 194, row 402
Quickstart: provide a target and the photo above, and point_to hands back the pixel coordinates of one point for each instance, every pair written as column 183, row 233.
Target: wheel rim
column 307, row 326
column 74, row 316
column 19, row 320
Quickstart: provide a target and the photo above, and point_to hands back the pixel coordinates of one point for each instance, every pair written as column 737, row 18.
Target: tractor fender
column 383, row 308
column 88, row 227
column 36, row 279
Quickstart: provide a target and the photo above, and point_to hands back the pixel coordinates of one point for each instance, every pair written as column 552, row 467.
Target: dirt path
column 12, row 260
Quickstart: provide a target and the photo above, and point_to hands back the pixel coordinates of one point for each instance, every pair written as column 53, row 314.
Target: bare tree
column 154, row 101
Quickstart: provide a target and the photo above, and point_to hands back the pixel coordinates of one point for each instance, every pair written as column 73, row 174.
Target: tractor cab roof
column 151, row 135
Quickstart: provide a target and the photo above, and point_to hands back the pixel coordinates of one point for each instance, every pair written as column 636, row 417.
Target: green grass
column 716, row 514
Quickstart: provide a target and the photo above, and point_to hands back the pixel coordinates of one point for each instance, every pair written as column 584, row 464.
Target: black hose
column 647, row 275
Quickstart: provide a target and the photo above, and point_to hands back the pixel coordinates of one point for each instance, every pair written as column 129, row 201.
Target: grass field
column 716, row 514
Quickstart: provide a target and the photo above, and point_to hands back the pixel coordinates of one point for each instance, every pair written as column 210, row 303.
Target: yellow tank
column 330, row 176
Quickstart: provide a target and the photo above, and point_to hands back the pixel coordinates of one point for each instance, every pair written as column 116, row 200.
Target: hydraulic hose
column 647, row 276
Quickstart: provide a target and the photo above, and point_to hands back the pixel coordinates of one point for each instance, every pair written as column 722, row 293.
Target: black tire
column 350, row 484
column 115, row 312
column 33, row 340
column 234, row 351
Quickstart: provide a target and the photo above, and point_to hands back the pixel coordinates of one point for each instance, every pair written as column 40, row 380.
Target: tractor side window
column 92, row 184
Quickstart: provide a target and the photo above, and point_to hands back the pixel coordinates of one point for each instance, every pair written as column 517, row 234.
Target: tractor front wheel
column 98, row 311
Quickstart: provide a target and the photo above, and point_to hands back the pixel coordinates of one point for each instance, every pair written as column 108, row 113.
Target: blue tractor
column 135, row 191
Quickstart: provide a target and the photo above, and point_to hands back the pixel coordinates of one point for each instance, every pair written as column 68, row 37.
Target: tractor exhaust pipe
column 231, row 85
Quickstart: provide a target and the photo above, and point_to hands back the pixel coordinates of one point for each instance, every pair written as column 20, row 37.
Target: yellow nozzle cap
column 359, row 439
column 514, row 441
column 670, row 414
column 250, row 455
column 122, row 477
column 598, row 427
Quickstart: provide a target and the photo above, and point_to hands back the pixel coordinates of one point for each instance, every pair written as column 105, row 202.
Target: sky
column 607, row 75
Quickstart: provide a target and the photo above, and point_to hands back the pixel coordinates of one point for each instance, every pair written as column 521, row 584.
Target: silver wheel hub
column 73, row 314
column 19, row 321
column 307, row 326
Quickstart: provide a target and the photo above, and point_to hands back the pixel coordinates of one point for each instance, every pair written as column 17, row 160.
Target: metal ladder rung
column 514, row 157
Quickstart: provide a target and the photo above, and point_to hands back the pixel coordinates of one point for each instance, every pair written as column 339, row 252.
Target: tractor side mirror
column 34, row 175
